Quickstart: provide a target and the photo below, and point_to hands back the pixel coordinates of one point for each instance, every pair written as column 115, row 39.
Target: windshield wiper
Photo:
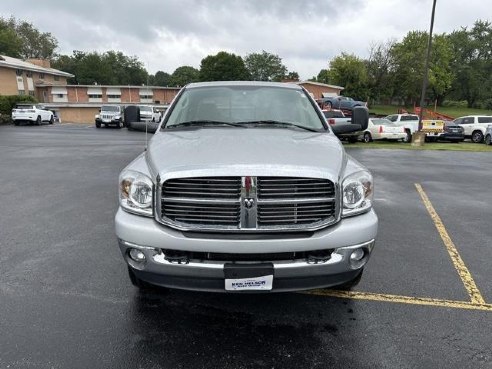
column 201, row 123
column 276, row 123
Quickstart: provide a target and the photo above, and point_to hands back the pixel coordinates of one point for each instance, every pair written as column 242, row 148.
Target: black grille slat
column 288, row 187
column 298, row 213
column 203, row 188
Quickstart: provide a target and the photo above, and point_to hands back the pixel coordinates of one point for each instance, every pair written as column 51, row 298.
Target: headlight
column 96, row 116
column 136, row 191
column 357, row 193
column 117, row 117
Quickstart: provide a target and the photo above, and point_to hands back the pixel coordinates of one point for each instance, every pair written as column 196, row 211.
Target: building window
column 29, row 74
column 22, row 92
column 31, row 93
column 95, row 96
column 19, row 72
column 56, row 78
column 41, row 75
column 114, row 96
column 146, row 97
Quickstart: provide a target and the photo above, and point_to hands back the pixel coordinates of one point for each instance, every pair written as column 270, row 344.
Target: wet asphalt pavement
column 66, row 301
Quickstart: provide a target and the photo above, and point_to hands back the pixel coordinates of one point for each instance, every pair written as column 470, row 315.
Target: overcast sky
column 166, row 34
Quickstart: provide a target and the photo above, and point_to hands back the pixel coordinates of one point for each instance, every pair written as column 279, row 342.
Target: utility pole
column 426, row 68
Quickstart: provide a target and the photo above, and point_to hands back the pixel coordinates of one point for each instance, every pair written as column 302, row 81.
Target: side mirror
column 99, row 110
column 360, row 117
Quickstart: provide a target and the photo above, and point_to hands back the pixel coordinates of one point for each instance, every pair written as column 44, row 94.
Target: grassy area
column 452, row 111
column 448, row 146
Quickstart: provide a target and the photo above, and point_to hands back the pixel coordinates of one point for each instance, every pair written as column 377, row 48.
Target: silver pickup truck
column 245, row 188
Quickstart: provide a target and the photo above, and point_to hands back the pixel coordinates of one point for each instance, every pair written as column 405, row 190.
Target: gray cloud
column 167, row 34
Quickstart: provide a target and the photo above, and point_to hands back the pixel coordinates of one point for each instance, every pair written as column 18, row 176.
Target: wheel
column 347, row 286
column 367, row 137
column 38, row 121
column 98, row 124
column 118, row 125
column 477, row 137
column 16, row 122
column 408, row 139
column 52, row 120
column 488, row 140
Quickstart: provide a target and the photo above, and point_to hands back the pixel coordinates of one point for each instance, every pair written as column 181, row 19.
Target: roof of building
column 127, row 86
column 320, row 84
column 9, row 62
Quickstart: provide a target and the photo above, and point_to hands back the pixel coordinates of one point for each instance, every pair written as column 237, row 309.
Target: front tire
column 488, row 140
column 408, row 139
column 52, row 120
column 16, row 122
column 367, row 137
column 38, row 121
column 98, row 124
column 477, row 137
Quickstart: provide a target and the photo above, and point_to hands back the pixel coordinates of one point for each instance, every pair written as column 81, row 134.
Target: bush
column 7, row 103
column 455, row 103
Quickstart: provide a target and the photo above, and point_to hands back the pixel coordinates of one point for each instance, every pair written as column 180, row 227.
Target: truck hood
column 245, row 152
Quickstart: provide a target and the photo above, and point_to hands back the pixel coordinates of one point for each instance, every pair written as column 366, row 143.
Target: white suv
column 149, row 113
column 32, row 113
column 474, row 126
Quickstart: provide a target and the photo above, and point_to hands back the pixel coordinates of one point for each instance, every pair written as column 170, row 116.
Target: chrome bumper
column 151, row 238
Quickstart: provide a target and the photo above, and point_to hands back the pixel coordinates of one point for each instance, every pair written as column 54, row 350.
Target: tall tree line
column 460, row 66
column 460, row 70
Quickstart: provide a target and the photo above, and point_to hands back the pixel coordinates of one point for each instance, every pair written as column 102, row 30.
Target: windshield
column 110, row 108
column 245, row 105
column 146, row 109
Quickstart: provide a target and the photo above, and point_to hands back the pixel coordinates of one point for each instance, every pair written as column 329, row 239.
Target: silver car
column 245, row 188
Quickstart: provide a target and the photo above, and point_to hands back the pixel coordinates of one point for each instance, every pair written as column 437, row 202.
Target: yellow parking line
column 402, row 299
column 465, row 275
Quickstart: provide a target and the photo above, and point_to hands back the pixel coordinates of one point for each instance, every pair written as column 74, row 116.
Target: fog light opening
column 358, row 258
column 136, row 255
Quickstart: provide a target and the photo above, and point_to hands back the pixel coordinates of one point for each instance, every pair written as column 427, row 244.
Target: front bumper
column 207, row 275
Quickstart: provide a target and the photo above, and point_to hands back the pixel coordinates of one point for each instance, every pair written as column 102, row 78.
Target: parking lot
column 66, row 301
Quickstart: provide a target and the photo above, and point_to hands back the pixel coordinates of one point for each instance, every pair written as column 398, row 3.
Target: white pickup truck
column 474, row 126
column 32, row 113
column 409, row 121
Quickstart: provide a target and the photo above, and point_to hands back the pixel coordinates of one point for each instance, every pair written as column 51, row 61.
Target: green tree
column 292, row 75
column 184, row 75
column 349, row 71
column 265, row 66
column 408, row 59
column 34, row 44
column 10, row 42
column 380, row 81
column 160, row 79
column 472, row 63
column 223, row 67
column 111, row 67
column 323, row 76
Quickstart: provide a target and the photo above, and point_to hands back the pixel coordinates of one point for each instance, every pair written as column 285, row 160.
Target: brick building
column 72, row 103
column 320, row 90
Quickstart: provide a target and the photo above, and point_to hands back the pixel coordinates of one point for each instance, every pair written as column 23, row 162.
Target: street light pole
column 426, row 68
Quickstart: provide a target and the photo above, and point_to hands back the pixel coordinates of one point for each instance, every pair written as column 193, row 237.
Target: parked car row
column 398, row 127
column 127, row 116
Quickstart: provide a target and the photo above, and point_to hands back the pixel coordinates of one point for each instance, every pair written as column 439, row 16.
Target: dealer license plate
column 248, row 277
column 263, row 283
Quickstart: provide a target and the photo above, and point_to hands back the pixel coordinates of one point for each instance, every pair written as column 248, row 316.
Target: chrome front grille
column 247, row 203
